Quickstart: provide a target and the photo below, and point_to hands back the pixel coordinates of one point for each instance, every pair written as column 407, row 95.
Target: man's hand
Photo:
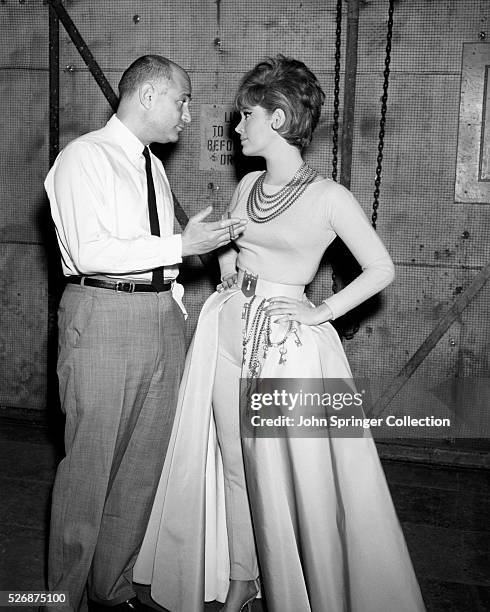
column 200, row 237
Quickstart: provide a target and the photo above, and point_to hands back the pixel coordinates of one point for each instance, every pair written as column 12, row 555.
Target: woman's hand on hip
column 303, row 311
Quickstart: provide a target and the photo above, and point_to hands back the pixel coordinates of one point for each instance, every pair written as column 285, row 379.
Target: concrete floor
column 444, row 513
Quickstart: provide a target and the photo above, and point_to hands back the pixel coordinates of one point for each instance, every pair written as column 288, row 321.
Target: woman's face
column 255, row 129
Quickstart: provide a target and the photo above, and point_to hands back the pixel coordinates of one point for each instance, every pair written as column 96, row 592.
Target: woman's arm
column 346, row 217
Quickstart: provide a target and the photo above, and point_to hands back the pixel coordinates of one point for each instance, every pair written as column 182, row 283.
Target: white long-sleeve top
column 98, row 195
column 289, row 248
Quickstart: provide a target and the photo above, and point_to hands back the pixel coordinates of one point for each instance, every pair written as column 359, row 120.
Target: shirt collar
column 125, row 137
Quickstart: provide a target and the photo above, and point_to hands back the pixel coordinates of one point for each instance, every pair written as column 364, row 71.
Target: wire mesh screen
column 23, row 215
column 438, row 245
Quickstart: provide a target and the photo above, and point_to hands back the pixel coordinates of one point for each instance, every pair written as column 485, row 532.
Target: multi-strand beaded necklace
column 263, row 207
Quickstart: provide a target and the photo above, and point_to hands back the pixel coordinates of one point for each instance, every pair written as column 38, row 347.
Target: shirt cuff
column 173, row 248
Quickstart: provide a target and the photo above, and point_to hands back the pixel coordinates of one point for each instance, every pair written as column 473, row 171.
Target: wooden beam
column 351, row 40
column 432, row 339
column 84, row 51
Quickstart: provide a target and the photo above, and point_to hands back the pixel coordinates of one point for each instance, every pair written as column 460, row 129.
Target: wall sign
column 217, row 146
column 473, row 160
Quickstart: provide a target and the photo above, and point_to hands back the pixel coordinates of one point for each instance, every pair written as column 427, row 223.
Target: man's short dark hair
column 285, row 83
column 145, row 68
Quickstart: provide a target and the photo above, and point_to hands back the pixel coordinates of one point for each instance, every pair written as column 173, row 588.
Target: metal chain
column 349, row 333
column 336, row 92
column 382, row 123
column 336, row 113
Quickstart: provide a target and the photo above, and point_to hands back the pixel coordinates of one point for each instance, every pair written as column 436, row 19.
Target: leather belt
column 124, row 286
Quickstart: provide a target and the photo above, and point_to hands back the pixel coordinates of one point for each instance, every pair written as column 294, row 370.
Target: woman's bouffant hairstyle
column 285, row 83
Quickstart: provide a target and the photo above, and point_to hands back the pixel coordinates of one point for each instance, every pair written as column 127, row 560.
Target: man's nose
column 186, row 115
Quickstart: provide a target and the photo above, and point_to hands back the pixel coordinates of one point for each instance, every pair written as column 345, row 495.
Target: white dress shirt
column 98, row 194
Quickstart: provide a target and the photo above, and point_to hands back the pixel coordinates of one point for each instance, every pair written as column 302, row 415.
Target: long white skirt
column 327, row 536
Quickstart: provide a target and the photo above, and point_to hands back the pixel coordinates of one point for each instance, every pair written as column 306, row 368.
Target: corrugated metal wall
column 438, row 245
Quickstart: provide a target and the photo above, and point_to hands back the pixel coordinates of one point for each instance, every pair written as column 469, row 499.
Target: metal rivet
column 465, row 235
column 218, row 44
column 136, row 18
column 69, row 68
column 452, row 342
column 482, row 35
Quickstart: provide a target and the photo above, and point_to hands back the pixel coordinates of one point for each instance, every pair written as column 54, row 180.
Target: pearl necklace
column 262, row 207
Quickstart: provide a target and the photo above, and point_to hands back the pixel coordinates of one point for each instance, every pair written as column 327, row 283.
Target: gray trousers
column 120, row 361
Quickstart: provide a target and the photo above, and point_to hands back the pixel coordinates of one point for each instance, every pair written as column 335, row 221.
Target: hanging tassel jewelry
column 257, row 336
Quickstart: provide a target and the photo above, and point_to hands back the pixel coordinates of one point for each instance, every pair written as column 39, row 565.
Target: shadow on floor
column 443, row 511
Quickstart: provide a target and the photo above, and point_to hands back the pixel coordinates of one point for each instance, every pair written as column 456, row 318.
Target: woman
column 314, row 515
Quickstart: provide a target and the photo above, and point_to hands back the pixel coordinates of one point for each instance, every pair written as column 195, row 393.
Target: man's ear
column 278, row 119
column 147, row 94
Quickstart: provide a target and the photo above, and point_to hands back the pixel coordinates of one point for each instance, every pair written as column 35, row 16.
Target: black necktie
column 157, row 274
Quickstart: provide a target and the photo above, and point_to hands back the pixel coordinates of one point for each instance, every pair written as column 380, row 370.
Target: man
column 121, row 326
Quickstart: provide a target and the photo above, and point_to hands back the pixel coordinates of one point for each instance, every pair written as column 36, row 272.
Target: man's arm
column 76, row 187
column 200, row 237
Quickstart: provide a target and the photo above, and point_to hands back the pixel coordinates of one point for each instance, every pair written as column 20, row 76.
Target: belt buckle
column 125, row 286
column 249, row 283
